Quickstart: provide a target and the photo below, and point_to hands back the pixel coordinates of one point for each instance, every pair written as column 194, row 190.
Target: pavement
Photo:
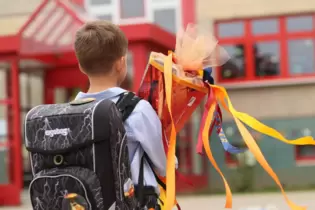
column 257, row 201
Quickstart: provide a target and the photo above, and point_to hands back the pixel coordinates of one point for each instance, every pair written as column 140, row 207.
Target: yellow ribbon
column 221, row 95
column 206, row 144
column 239, row 117
column 170, row 171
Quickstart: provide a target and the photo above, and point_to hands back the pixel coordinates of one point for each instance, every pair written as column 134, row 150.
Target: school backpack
column 79, row 155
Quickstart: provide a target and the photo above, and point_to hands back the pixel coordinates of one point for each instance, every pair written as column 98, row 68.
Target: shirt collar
column 109, row 93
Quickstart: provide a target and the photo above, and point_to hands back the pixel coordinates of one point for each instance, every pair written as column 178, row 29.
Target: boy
column 101, row 48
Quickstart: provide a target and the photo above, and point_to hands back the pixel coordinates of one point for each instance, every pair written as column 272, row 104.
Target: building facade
column 271, row 77
column 169, row 15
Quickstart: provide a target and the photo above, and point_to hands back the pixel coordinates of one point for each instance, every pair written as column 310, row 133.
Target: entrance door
column 191, row 165
column 10, row 165
column 5, row 106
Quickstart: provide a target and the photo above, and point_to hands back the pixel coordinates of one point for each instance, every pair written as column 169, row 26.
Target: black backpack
column 79, row 155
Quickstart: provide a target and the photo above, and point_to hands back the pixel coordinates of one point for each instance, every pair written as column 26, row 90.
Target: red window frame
column 248, row 39
column 301, row 158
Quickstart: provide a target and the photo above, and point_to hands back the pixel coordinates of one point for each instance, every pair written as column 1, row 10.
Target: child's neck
column 99, row 84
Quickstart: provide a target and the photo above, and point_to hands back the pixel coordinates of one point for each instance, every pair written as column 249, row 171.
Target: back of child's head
column 98, row 45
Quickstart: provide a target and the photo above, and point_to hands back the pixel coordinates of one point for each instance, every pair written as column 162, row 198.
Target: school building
column 271, row 77
column 270, row 74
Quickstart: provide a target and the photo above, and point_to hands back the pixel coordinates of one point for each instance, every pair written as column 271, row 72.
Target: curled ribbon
column 239, row 117
column 224, row 141
column 217, row 124
column 211, row 103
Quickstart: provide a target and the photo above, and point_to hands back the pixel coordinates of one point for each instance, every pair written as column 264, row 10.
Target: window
column 131, row 8
column 100, row 2
column 234, row 68
column 166, row 19
column 105, row 17
column 267, row 55
column 259, row 50
column 301, row 56
column 304, row 152
column 267, row 26
column 297, row 24
column 4, row 135
column 166, row 14
column 235, row 29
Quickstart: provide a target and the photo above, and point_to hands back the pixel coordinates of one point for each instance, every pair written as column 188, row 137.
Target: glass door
column 5, row 107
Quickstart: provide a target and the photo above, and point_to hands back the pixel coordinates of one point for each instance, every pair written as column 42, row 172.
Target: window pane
column 100, row 2
column 3, row 84
column 234, row 29
column 304, row 23
column 105, row 17
column 301, row 56
column 131, row 8
column 234, row 68
column 166, row 19
column 4, row 155
column 268, row 26
column 306, row 151
column 267, row 55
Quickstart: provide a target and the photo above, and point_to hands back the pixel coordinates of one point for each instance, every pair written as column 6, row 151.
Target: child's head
column 101, row 48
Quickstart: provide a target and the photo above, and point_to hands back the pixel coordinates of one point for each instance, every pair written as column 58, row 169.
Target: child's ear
column 120, row 64
column 124, row 60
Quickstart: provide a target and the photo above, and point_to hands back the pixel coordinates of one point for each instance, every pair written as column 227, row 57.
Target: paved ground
column 270, row 201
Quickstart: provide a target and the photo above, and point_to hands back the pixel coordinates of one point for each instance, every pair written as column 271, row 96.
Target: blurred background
column 271, row 76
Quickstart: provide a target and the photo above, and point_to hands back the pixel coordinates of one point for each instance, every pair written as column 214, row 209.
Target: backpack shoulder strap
column 127, row 103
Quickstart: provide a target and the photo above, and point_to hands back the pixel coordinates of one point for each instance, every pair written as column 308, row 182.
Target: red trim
column 188, row 11
column 139, row 54
column 8, row 45
column 10, row 195
column 249, row 39
column 5, row 101
column 12, row 190
column 283, row 49
column 249, row 54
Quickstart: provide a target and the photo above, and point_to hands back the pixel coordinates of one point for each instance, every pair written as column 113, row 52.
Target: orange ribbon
column 206, row 144
column 170, row 171
column 221, row 95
